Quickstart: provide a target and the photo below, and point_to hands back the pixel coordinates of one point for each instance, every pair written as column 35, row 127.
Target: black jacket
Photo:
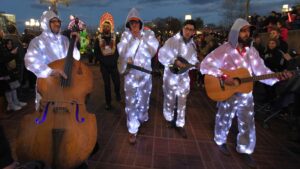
column 5, row 57
column 274, row 60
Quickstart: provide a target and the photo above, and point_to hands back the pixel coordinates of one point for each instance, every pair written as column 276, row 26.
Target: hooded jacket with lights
column 137, row 84
column 241, row 104
column 46, row 48
column 173, row 84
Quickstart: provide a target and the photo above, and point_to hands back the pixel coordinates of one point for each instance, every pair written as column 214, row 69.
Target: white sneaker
column 13, row 107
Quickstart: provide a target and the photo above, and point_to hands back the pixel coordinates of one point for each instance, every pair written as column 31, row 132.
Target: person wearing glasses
column 176, row 87
column 137, row 46
column 47, row 48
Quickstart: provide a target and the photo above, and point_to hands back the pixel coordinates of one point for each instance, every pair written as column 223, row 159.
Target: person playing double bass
column 62, row 101
column 48, row 47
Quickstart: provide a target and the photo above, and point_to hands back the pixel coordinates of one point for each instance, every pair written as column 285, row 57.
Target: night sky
column 90, row 10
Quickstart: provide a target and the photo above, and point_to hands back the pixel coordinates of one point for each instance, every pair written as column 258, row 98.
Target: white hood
column 133, row 13
column 235, row 31
column 45, row 18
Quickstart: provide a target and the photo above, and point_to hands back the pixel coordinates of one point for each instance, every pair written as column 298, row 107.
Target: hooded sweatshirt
column 46, row 48
column 227, row 57
column 141, row 50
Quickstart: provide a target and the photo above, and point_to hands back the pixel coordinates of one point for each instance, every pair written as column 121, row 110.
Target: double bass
column 61, row 133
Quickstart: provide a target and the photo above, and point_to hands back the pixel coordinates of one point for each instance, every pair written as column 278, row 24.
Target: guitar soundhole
column 237, row 81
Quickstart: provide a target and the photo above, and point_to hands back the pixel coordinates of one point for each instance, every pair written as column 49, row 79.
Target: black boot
column 223, row 148
column 83, row 165
column 294, row 133
column 181, row 131
column 171, row 124
column 249, row 161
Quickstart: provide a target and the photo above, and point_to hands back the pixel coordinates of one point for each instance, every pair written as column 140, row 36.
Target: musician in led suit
column 137, row 46
column 177, row 85
column 237, row 53
column 48, row 47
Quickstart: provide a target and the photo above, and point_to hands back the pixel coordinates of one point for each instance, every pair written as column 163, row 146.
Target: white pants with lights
column 137, row 101
column 242, row 106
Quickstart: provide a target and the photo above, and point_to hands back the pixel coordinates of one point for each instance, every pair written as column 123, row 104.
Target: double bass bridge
column 60, row 110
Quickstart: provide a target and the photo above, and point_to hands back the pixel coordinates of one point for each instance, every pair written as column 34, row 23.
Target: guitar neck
column 261, row 77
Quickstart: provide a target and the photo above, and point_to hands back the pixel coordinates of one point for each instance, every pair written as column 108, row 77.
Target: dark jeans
column 108, row 72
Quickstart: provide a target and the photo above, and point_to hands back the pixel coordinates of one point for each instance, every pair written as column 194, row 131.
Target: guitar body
column 216, row 92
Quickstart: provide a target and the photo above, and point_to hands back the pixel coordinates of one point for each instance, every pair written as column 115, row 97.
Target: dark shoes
column 132, row 138
column 294, row 134
column 181, row 131
column 247, row 158
column 171, row 124
column 83, row 165
column 223, row 148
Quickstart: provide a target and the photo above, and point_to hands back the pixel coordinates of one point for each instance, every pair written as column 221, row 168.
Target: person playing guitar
column 235, row 54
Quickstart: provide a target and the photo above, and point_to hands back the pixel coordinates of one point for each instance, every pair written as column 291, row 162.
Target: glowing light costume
column 241, row 104
column 173, row 84
column 46, row 48
column 137, row 84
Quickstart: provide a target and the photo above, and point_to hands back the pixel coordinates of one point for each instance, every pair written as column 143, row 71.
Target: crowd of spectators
column 289, row 20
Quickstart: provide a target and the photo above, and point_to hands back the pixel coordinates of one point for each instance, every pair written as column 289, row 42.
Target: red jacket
column 284, row 34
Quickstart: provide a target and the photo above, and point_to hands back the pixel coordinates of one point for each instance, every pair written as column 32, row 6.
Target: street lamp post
column 247, row 8
column 54, row 3
column 286, row 9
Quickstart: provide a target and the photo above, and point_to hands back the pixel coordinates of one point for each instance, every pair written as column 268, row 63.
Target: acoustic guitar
column 217, row 90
